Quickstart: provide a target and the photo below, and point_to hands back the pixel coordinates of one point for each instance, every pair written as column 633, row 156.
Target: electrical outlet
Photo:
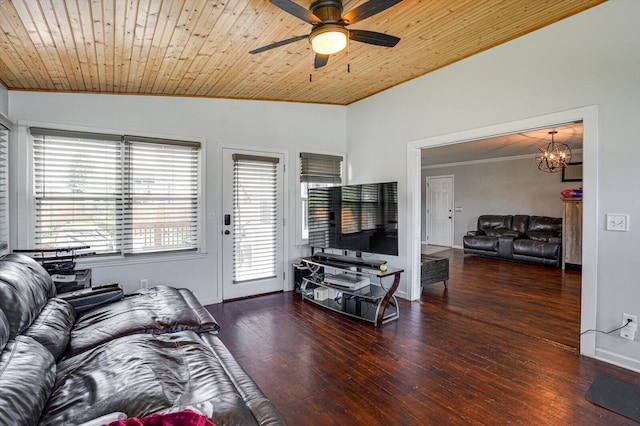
column 630, row 328
column 144, row 283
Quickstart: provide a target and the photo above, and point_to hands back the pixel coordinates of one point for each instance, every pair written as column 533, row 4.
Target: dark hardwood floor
column 498, row 347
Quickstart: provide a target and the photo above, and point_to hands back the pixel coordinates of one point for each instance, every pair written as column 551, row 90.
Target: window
column 116, row 194
column 316, row 171
column 255, row 217
column 4, row 192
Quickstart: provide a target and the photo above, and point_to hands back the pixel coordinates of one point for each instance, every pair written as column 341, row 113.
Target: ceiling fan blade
column 368, row 9
column 297, row 11
column 372, row 37
column 320, row 61
column 278, row 44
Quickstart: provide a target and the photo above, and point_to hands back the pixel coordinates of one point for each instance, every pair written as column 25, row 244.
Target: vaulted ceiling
column 200, row 47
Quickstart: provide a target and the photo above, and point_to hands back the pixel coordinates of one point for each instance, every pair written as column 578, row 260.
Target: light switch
column 617, row 222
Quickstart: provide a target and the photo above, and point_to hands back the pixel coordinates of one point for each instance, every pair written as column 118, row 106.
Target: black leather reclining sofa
column 533, row 239
column 153, row 352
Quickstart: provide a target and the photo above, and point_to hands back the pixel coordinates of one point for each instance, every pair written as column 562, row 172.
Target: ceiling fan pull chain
column 348, row 56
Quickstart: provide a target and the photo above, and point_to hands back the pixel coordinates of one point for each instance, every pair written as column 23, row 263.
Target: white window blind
column 4, row 190
column 117, row 195
column 255, row 217
column 316, row 171
column 320, row 168
column 162, row 196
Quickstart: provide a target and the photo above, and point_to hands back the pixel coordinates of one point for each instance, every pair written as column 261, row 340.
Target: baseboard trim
column 210, row 301
column 617, row 359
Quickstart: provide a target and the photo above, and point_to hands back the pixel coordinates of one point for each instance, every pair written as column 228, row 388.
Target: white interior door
column 440, row 210
column 252, row 223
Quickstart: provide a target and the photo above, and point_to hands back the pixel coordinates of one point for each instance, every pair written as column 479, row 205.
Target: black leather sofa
column 154, row 351
column 533, row 239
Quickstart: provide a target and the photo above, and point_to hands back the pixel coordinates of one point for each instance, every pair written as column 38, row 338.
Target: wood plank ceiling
column 200, row 47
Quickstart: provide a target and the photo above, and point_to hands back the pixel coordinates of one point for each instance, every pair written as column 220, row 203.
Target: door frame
column 589, row 117
column 217, row 215
column 427, row 209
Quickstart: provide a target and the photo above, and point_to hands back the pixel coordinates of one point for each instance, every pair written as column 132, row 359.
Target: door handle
column 227, row 219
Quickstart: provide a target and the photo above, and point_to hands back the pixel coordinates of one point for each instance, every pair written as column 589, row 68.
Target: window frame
column 301, row 199
column 5, row 234
column 25, row 185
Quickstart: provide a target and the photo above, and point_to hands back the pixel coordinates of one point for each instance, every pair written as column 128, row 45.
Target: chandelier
column 553, row 157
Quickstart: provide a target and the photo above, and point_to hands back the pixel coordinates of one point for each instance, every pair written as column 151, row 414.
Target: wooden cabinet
column 572, row 232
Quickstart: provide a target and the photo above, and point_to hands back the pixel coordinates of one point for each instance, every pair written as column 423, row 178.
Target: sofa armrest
column 475, row 233
column 555, row 240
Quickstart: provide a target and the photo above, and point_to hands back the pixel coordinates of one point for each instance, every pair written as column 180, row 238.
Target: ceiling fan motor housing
column 327, row 10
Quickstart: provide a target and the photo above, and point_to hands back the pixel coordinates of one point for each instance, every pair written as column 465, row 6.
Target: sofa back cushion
column 494, row 225
column 544, row 228
column 4, row 330
column 25, row 287
column 27, row 375
column 52, row 328
column 520, row 223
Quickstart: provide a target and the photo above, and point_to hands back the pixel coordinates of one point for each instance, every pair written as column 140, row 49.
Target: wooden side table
column 434, row 270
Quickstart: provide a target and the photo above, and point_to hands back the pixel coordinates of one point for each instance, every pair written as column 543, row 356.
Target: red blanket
column 180, row 418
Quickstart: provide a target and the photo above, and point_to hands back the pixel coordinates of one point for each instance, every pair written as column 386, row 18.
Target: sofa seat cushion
column 481, row 242
column 27, row 374
column 534, row 248
column 53, row 326
column 156, row 310
column 25, row 287
column 143, row 374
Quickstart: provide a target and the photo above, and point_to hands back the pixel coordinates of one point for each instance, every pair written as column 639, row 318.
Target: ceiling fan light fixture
column 328, row 39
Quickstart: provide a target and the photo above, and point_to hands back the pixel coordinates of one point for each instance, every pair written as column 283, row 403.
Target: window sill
column 139, row 259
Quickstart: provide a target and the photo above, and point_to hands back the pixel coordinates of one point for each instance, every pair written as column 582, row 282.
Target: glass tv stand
column 352, row 288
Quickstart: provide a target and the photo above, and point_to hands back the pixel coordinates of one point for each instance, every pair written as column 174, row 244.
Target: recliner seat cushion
column 25, row 287
column 143, row 374
column 156, row 310
column 27, row 374
column 481, row 242
column 536, row 249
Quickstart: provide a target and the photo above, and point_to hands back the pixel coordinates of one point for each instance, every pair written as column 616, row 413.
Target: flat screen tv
column 361, row 218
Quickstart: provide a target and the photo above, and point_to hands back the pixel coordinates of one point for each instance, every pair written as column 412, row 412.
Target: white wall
column 505, row 186
column 275, row 125
column 4, row 101
column 592, row 58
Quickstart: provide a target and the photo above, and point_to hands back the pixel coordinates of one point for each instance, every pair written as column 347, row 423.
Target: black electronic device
column 361, row 218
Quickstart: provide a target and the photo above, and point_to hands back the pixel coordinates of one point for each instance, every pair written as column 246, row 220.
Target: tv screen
column 362, row 218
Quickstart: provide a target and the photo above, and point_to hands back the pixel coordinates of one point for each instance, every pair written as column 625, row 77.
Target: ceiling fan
column 329, row 33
